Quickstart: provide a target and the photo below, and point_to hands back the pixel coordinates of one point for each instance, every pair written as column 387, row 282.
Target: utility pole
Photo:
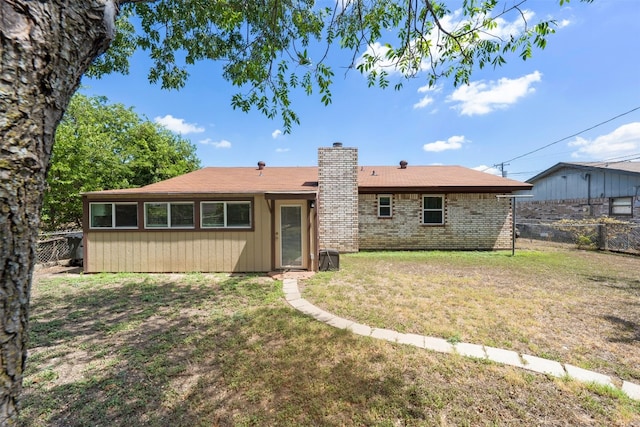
column 502, row 171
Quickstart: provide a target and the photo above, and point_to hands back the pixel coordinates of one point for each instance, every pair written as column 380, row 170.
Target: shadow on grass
column 628, row 331
column 628, row 285
column 201, row 352
column 162, row 353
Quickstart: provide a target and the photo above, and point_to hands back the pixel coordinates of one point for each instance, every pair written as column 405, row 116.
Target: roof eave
column 142, row 194
column 581, row 166
column 445, row 189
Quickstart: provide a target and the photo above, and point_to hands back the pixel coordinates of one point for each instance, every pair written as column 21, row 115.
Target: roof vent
column 337, row 144
column 261, row 165
column 403, row 164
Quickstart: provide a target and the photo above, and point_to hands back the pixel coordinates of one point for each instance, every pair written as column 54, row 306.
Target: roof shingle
column 251, row 180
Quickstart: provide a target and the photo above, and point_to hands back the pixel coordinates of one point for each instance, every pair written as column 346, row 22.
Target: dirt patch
column 56, row 269
column 299, row 275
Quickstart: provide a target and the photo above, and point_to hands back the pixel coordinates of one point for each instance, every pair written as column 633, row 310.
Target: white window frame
column 113, row 216
column 621, row 202
column 225, row 217
column 441, row 210
column 390, row 205
column 169, row 225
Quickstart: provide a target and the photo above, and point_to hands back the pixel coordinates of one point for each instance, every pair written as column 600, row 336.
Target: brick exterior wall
column 472, row 222
column 575, row 209
column 338, row 198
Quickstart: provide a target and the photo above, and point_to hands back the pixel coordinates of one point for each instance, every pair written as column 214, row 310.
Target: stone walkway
column 498, row 355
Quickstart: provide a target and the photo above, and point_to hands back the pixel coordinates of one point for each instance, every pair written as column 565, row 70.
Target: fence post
column 603, row 237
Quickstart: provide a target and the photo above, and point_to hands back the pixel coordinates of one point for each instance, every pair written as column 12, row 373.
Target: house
column 257, row 219
column 583, row 190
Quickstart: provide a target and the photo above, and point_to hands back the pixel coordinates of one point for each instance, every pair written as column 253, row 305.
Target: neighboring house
column 583, row 190
column 260, row 219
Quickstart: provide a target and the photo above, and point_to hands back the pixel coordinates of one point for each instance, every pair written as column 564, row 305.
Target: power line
column 525, row 173
column 620, row 159
column 572, row 136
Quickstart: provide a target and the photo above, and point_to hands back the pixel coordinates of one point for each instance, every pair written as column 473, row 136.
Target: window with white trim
column 113, row 215
column 432, row 209
column 225, row 214
column 385, row 205
column 621, row 206
column 168, row 215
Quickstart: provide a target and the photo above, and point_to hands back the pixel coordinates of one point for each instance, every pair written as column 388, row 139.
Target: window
column 225, row 214
column 433, row 210
column 212, row 214
column 384, row 205
column 113, row 215
column 621, row 206
column 168, row 215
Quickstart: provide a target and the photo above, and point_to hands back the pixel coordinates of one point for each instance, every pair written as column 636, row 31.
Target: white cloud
column 425, row 101
column 217, row 144
column 276, row 133
column 482, row 97
column 506, row 29
column 282, row 150
column 453, row 143
column 378, row 50
column 454, row 21
column 622, row 141
column 428, row 88
column 178, row 125
column 488, row 169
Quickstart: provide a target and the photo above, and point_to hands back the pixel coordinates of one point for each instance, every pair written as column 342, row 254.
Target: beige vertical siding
column 177, row 251
column 182, row 250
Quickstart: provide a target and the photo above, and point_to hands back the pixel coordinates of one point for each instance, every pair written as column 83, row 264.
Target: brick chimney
column 338, row 198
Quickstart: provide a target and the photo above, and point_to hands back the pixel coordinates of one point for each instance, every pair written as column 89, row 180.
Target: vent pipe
column 403, row 164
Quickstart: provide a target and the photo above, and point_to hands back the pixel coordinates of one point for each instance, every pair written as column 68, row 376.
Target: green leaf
column 273, row 47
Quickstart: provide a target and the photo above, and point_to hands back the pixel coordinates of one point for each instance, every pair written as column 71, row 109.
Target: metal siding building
column 579, row 190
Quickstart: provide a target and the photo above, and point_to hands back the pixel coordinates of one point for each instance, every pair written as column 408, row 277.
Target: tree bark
column 45, row 47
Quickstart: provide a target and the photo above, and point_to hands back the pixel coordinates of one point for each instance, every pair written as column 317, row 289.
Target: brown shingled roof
column 434, row 178
column 305, row 179
column 234, row 180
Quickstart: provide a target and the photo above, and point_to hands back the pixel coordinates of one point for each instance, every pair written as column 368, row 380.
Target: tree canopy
column 270, row 48
column 101, row 146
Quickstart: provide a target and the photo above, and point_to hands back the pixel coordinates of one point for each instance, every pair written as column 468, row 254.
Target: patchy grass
column 579, row 307
column 218, row 350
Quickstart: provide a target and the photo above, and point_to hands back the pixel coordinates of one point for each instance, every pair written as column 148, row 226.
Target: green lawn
column 219, row 350
column 578, row 307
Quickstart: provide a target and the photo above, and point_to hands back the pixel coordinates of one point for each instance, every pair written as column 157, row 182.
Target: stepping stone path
column 498, row 355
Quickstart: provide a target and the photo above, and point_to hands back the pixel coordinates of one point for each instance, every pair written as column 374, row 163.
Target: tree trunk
column 45, row 47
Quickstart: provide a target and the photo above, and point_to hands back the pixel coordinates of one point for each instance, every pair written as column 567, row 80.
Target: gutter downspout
column 271, row 204
column 589, row 192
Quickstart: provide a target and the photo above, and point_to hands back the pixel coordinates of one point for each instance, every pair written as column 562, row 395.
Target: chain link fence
column 54, row 247
column 616, row 237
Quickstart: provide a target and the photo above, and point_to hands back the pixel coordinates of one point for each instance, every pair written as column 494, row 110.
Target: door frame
column 304, row 233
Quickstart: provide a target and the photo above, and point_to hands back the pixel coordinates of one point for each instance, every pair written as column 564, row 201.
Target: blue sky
column 588, row 74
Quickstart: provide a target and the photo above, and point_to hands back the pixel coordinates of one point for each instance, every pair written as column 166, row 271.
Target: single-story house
column 583, row 190
column 258, row 219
